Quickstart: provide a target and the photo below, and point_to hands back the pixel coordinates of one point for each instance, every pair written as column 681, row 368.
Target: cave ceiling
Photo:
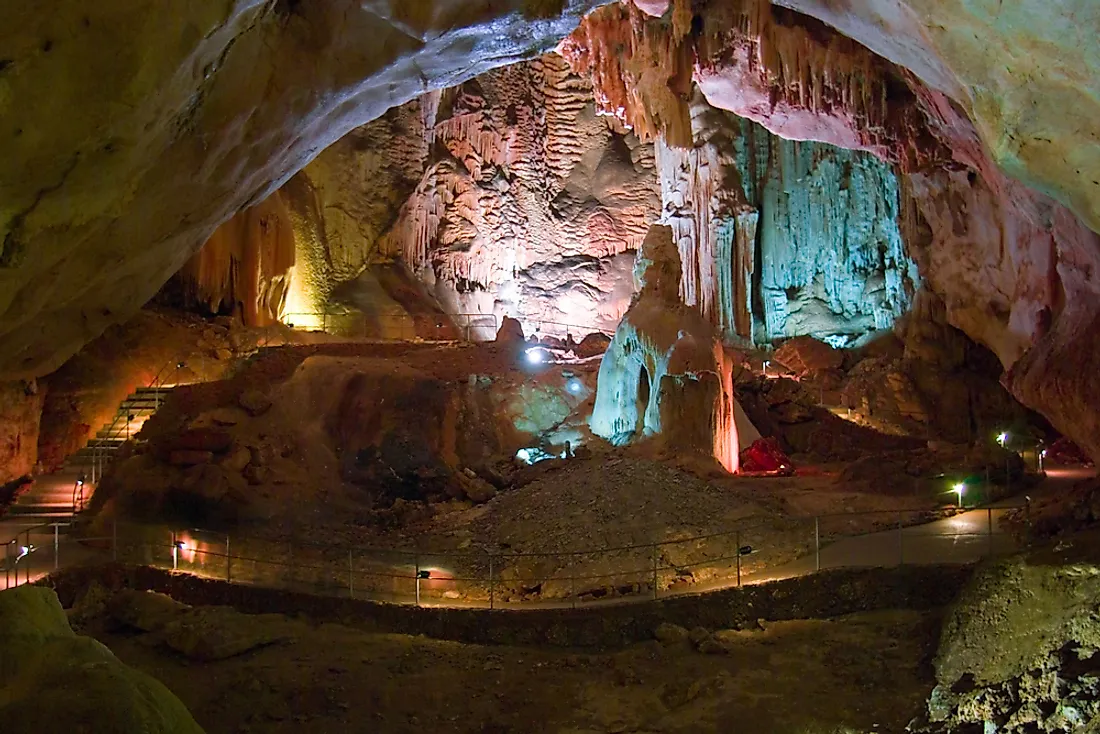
column 129, row 130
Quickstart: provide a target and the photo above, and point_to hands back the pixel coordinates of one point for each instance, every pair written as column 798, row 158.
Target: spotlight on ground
column 574, row 386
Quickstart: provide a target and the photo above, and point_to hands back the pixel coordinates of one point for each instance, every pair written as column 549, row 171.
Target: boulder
column 216, row 633
column 214, row 440
column 670, row 634
column 804, row 355
column 147, row 611
column 592, row 345
column 765, row 455
column 52, row 679
column 254, row 402
column 510, row 332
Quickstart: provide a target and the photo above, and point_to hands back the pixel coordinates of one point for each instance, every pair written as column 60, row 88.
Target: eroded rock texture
column 666, row 373
column 782, row 238
column 1014, row 267
column 162, row 120
column 505, row 195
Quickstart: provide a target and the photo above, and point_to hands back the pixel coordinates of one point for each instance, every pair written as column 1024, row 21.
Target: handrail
column 99, row 451
column 203, row 552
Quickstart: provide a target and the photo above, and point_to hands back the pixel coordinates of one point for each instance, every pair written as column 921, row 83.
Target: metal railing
column 493, row 578
column 100, row 452
column 429, row 327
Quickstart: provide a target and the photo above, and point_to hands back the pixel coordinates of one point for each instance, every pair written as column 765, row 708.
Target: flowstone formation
column 782, row 238
column 504, row 195
column 666, row 373
column 1014, row 267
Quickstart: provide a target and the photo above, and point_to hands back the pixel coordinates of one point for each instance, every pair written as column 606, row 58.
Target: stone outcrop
column 782, row 238
column 1013, row 266
column 56, row 680
column 20, row 417
column 113, row 179
column 1019, row 647
column 665, row 373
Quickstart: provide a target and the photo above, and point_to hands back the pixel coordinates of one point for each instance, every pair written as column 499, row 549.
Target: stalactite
column 245, row 265
column 767, row 59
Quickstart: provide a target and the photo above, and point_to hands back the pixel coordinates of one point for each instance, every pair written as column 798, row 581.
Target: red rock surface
column 765, row 455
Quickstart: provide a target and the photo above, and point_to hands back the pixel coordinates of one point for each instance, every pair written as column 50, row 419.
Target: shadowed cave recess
column 509, row 284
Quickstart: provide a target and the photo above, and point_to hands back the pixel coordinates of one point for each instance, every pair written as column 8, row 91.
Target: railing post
column 1027, row 518
column 573, row 579
column 27, row 571
column 56, row 546
column 737, row 544
column 817, row 543
column 901, row 543
column 989, row 519
column 492, row 584
column 417, row 574
column 655, row 571
column 175, row 553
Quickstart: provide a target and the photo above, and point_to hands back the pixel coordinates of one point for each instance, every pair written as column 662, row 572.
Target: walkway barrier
column 396, row 327
column 494, row 578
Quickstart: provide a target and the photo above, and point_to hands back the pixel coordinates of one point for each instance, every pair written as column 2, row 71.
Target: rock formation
column 56, row 680
column 162, row 123
column 212, row 108
column 782, row 238
column 666, row 373
column 1012, row 265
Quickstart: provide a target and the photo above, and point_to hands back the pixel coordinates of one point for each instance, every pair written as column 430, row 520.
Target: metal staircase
column 62, row 493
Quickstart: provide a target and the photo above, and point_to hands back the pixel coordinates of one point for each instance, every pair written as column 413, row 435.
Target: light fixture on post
column 959, row 489
column 1002, row 439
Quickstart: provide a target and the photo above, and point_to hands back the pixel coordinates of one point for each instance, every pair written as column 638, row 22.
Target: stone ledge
column 827, row 594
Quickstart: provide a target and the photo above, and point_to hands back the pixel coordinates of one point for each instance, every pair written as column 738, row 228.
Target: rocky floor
column 862, row 673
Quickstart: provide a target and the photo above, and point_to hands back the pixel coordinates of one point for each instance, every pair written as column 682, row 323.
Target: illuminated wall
column 782, row 238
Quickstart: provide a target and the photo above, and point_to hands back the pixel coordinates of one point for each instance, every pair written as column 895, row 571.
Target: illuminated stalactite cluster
column 783, row 70
column 781, row 238
column 529, row 204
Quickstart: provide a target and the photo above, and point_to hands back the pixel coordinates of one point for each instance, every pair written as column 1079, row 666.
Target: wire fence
column 497, row 578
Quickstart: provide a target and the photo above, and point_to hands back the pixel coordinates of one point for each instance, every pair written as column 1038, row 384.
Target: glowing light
column 959, row 489
column 1044, row 454
column 1002, row 438
column 535, row 355
column 574, row 386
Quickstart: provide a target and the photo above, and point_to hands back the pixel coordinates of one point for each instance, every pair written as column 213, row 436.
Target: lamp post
column 959, row 489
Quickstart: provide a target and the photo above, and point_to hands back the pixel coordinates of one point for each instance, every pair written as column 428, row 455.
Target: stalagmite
column 666, row 374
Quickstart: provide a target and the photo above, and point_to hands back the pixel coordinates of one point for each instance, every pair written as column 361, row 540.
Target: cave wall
column 1015, row 268
column 783, row 238
column 20, row 414
column 505, row 195
column 131, row 131
column 529, row 205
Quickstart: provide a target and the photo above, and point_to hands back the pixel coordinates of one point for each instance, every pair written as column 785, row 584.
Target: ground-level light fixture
column 574, row 386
